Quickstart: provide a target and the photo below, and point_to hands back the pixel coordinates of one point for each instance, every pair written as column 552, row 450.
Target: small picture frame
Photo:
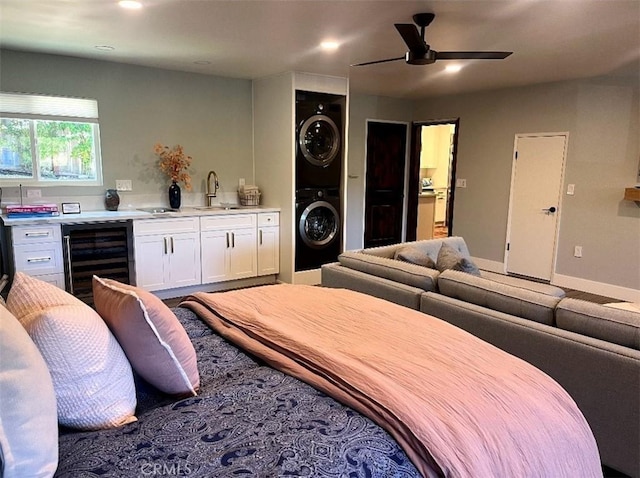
column 70, row 208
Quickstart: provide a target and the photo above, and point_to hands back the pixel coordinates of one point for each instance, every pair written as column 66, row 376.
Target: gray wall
column 139, row 107
column 602, row 118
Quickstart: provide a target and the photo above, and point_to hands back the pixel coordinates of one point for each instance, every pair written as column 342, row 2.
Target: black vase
column 111, row 200
column 174, row 195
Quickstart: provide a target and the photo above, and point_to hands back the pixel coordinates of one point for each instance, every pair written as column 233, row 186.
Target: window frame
column 33, row 107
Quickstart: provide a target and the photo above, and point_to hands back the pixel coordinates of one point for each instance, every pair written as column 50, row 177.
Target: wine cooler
column 104, row 249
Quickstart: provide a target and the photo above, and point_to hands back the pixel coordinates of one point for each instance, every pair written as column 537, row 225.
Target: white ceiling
column 552, row 40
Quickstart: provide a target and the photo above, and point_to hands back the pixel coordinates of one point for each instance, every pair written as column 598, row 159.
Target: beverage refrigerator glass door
column 101, row 248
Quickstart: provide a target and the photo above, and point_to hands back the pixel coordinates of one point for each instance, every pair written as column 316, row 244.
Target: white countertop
column 101, row 216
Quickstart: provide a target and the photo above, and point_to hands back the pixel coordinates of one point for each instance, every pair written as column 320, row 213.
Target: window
column 48, row 140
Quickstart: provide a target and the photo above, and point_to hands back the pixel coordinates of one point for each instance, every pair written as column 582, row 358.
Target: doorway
column 536, row 191
column 385, row 183
column 431, row 190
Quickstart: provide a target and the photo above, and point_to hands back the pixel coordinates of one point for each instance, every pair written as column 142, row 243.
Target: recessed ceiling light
column 453, row 68
column 104, row 48
column 130, row 4
column 329, row 45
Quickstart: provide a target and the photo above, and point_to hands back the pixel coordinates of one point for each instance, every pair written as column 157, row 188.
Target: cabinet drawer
column 231, row 221
column 165, row 226
column 268, row 219
column 35, row 234
column 38, row 259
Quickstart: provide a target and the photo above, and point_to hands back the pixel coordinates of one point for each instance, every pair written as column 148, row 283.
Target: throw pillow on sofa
column 150, row 334
column 28, row 415
column 91, row 376
column 450, row 259
column 414, row 256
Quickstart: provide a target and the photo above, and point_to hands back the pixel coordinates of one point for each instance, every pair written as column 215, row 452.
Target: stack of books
column 31, row 210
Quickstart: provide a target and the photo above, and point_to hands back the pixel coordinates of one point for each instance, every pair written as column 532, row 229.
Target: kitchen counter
column 101, row 216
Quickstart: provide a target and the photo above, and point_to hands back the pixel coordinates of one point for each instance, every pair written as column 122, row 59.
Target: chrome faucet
column 216, row 185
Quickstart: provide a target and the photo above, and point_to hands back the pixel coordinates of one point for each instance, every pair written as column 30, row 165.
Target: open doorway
column 432, row 172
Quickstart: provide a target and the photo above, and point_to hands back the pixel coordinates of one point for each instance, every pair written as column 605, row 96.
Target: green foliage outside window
column 61, row 150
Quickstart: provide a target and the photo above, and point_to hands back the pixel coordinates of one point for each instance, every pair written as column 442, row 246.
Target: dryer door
column 319, row 140
column 319, row 225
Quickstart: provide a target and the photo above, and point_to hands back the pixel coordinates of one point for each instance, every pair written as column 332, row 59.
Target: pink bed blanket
column 459, row 406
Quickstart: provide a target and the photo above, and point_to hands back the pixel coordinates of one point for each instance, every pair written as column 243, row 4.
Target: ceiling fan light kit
column 420, row 53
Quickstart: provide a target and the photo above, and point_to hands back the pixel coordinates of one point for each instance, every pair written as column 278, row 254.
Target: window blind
column 51, row 107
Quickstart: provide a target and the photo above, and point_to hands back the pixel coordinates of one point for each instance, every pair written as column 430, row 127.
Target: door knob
column 550, row 210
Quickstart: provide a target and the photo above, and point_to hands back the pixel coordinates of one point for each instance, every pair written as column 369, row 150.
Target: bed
column 247, row 420
column 404, row 409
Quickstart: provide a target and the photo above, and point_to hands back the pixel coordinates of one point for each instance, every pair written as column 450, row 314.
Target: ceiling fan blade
column 378, row 61
column 472, row 55
column 412, row 38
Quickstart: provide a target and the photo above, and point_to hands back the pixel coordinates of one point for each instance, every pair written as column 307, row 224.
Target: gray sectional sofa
column 592, row 350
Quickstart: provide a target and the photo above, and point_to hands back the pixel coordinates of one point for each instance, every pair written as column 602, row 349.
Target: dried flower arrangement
column 174, row 163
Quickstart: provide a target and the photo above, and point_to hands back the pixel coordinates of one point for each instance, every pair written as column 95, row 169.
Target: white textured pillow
column 28, row 417
column 91, row 376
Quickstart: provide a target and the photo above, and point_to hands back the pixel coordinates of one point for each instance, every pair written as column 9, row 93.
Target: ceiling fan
column 420, row 53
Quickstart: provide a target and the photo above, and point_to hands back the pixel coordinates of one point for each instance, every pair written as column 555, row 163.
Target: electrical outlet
column 571, row 189
column 577, row 251
column 34, row 193
column 123, row 184
column 461, row 183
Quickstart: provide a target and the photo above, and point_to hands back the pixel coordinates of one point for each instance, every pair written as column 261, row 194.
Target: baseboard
column 570, row 282
column 215, row 287
column 599, row 288
column 312, row 277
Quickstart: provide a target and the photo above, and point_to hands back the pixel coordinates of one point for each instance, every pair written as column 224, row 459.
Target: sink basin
column 157, row 210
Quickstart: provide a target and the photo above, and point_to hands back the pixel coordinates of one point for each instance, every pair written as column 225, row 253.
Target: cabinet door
column 214, row 245
column 151, row 262
column 243, row 254
column 184, row 259
column 268, row 250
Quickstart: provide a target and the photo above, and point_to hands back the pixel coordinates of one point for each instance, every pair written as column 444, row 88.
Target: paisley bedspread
column 248, row 420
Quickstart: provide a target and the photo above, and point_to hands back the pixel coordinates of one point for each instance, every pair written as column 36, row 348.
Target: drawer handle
column 39, row 259
column 227, row 240
column 36, row 234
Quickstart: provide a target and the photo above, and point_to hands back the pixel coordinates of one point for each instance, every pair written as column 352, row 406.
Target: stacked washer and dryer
column 318, row 173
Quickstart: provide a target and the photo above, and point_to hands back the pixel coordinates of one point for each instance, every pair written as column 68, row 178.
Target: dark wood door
column 384, row 198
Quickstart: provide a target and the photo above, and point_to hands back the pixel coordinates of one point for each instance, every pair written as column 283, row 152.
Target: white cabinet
column 167, row 253
column 268, row 243
column 37, row 251
column 228, row 247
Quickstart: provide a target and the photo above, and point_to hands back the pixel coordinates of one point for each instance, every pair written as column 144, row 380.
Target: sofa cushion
column 505, row 298
column 430, row 247
column 415, row 256
column 28, row 415
column 617, row 326
column 150, row 334
column 451, row 259
column 524, row 284
column 403, row 272
column 91, row 376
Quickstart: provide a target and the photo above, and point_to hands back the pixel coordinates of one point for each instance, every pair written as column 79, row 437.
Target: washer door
column 319, row 140
column 319, row 225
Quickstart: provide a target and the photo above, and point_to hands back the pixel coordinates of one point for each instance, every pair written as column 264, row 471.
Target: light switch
column 571, row 189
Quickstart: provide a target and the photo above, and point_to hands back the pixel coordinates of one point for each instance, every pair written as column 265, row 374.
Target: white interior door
column 534, row 207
